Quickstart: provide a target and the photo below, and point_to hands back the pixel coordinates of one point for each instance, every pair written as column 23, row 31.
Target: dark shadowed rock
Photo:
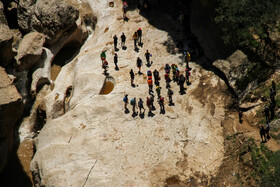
column 29, row 51
column 11, row 108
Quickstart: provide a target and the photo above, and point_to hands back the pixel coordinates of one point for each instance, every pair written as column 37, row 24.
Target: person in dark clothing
column 147, row 55
column 272, row 95
column 271, row 108
column 133, row 103
column 167, row 68
column 167, row 80
column 181, row 83
column 135, row 38
column 273, row 85
column 123, row 38
column 115, row 42
column 157, row 77
column 139, row 32
column 139, row 64
column 149, row 104
column 262, row 133
column 170, row 93
column 188, row 73
column 141, row 106
column 116, row 61
column 240, row 115
column 266, row 112
column 267, row 131
column 161, row 104
column 125, row 100
column 152, row 98
column 131, row 77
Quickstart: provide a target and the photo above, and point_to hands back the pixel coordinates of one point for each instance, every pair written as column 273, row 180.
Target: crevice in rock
column 108, row 86
column 41, row 83
column 64, row 56
column 67, row 98
column 40, row 119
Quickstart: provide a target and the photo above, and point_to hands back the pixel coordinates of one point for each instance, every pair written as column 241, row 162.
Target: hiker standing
column 139, row 64
column 147, row 55
column 177, row 74
column 174, row 67
column 157, row 77
column 262, row 133
column 170, row 93
column 272, row 95
column 188, row 73
column 104, row 65
column 149, row 104
column 271, row 108
column 267, row 131
column 133, row 103
column 139, row 32
column 141, row 106
column 116, row 61
column 131, row 77
column 123, row 38
column 115, row 42
column 167, row 68
column 103, row 55
column 150, row 84
column 161, row 103
column 149, row 74
column 167, row 80
column 266, row 112
column 181, row 83
column 158, row 89
column 187, row 59
column 125, row 100
column 273, row 85
column 152, row 98
column 125, row 7
column 135, row 38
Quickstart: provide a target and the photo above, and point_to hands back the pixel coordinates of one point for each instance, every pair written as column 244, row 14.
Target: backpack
column 132, row 101
column 125, row 99
column 161, row 100
column 125, row 5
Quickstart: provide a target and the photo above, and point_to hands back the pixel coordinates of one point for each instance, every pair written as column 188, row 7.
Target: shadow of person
column 117, row 68
column 189, row 83
column 136, row 49
column 126, row 19
column 124, row 47
column 162, row 111
column 151, row 114
column 140, row 44
column 126, row 111
column 142, row 115
column 116, row 49
column 171, row 104
column 133, row 85
column 134, row 114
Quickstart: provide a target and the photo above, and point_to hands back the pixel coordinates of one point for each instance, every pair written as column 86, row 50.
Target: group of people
column 269, row 113
column 153, row 78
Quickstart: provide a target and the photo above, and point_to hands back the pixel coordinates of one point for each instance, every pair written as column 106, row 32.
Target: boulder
column 235, row 69
column 6, row 39
column 11, row 108
column 50, row 17
column 29, row 51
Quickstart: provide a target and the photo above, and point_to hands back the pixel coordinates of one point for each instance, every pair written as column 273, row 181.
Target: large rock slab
column 89, row 140
column 50, row 17
column 11, row 108
column 29, row 51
